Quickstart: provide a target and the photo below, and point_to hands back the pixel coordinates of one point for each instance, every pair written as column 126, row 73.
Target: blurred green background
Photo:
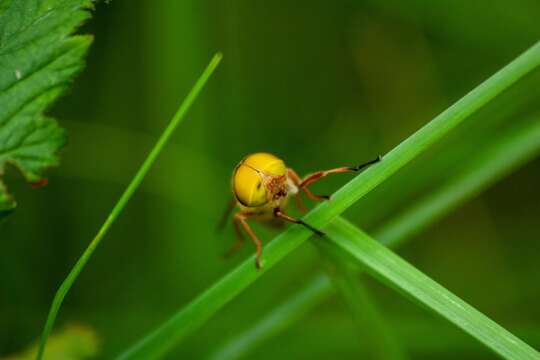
column 321, row 84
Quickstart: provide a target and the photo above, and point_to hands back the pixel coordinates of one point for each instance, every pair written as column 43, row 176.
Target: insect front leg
column 310, row 179
column 223, row 221
column 281, row 215
column 240, row 217
column 293, row 176
column 240, row 240
column 297, row 181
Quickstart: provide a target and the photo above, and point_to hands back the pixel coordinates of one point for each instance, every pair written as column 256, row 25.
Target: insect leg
column 280, row 214
column 241, row 217
column 239, row 238
column 298, row 199
column 300, row 204
column 296, row 179
column 310, row 179
column 226, row 213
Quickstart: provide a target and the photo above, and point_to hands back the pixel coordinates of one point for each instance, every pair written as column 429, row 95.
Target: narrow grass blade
column 275, row 322
column 371, row 325
column 195, row 314
column 397, row 273
column 117, row 209
column 481, row 170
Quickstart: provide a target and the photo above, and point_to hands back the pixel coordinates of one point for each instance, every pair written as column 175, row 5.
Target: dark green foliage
column 38, row 60
column 321, row 84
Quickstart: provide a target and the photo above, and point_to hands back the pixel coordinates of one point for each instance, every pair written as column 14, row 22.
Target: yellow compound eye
column 248, row 178
column 249, row 187
column 266, row 163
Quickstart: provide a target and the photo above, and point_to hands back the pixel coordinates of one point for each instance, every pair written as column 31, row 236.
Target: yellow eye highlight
column 248, row 178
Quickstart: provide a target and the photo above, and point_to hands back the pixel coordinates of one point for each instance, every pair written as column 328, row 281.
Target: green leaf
column 397, row 273
column 38, row 60
column 124, row 199
column 195, row 314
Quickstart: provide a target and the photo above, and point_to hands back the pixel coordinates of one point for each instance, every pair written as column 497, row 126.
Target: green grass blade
column 195, row 314
column 117, row 209
column 275, row 322
column 281, row 317
column 479, row 172
column 396, row 272
column 427, row 135
column 371, row 325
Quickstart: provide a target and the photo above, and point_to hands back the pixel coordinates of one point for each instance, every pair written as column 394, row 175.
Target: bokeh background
column 321, row 84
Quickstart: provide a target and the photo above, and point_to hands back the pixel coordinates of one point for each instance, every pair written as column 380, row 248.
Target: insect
column 262, row 185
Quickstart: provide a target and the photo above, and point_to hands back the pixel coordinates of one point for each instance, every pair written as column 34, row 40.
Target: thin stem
column 120, row 205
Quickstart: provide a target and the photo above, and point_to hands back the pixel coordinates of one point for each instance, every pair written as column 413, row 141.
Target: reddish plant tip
column 39, row 183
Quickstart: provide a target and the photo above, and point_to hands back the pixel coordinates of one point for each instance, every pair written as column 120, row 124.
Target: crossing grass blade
column 275, row 322
column 196, row 313
column 482, row 170
column 388, row 267
column 360, row 305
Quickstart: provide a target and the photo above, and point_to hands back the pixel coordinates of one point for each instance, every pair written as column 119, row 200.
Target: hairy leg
column 296, row 179
column 240, row 240
column 241, row 217
column 230, row 206
column 310, row 179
